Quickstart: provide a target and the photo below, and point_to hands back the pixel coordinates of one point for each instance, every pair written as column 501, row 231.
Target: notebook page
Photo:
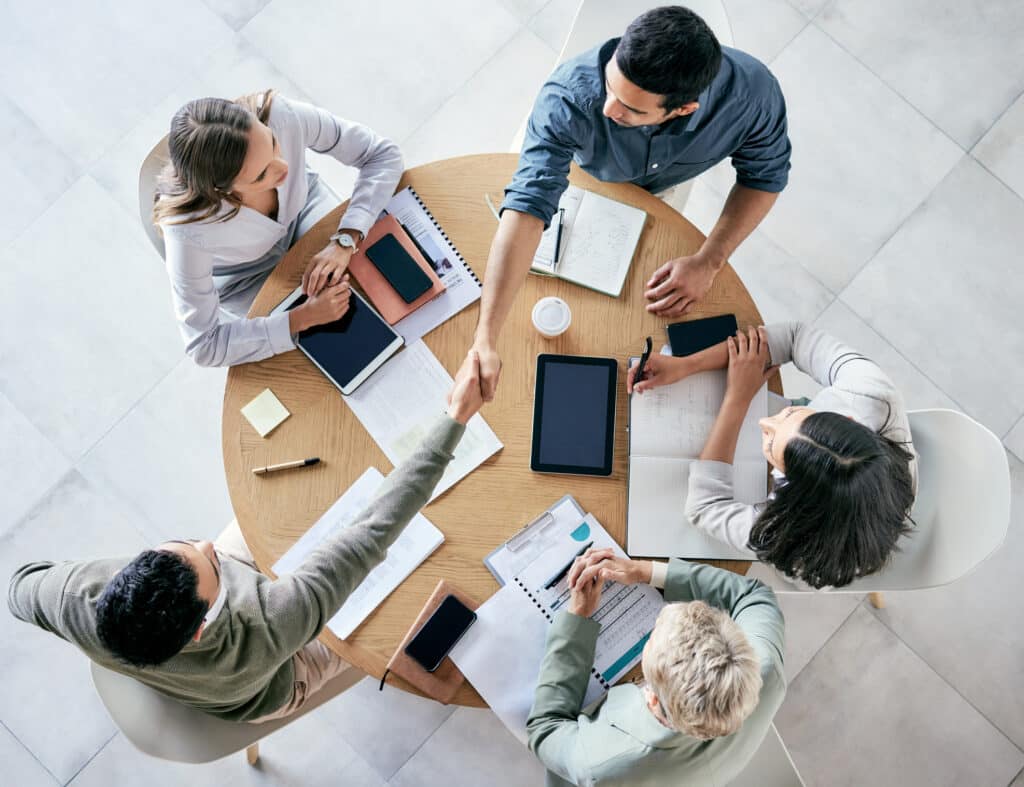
column 601, row 244
column 400, row 402
column 418, row 541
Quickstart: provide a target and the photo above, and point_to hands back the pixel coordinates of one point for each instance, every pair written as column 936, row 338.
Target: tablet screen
column 574, row 415
column 345, row 347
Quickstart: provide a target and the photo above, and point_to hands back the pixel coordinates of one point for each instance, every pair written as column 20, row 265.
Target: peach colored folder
column 383, row 296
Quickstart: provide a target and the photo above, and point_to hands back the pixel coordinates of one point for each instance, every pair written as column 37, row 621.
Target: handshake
column 465, row 398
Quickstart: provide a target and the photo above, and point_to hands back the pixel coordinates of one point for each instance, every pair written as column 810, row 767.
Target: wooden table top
column 498, row 498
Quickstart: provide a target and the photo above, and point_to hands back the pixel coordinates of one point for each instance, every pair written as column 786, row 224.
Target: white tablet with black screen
column 349, row 349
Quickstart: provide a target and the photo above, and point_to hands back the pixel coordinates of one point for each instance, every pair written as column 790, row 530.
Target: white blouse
column 196, row 251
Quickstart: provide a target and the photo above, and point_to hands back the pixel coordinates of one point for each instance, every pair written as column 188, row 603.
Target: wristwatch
column 345, row 239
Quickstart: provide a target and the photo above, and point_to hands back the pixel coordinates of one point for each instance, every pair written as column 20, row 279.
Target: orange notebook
column 383, row 296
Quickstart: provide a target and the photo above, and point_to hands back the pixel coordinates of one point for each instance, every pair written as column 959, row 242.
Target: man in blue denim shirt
column 655, row 108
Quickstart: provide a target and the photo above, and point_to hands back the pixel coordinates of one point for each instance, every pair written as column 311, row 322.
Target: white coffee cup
column 551, row 316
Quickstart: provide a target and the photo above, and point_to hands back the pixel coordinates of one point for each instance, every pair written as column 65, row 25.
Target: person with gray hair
column 713, row 680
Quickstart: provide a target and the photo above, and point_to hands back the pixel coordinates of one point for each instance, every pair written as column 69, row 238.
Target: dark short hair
column 669, row 51
column 151, row 609
column 845, row 503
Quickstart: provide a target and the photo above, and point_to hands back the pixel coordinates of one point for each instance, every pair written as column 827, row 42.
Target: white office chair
column 155, row 161
column 771, row 767
column 598, row 20
column 164, row 728
column 961, row 513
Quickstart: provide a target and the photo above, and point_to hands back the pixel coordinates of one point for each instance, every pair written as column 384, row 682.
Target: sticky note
column 265, row 412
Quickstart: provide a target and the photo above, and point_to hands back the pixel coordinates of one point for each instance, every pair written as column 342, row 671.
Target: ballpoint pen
column 562, row 572
column 644, row 358
column 286, row 466
column 558, row 238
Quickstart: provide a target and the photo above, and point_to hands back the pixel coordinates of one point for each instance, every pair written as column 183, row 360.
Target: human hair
column 151, row 609
column 701, row 667
column 208, row 141
column 845, row 503
column 669, row 51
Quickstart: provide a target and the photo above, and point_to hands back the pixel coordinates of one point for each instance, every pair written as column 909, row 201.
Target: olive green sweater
column 241, row 668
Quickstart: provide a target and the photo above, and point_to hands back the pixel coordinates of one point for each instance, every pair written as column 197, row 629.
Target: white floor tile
column 763, row 27
column 35, row 170
column 977, row 646
column 959, row 63
column 391, row 80
column 236, row 12
column 471, row 747
column 30, row 470
column 88, row 72
column 863, row 159
column 811, row 619
column 808, row 7
column 48, row 700
column 1014, row 439
column 386, row 727
column 897, row 721
column 946, row 292
column 165, row 457
column 19, row 766
column 553, row 22
column 482, row 117
column 1002, row 148
column 524, row 10
column 89, row 299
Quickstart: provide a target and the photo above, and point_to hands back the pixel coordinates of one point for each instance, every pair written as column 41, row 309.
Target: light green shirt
column 621, row 742
column 241, row 667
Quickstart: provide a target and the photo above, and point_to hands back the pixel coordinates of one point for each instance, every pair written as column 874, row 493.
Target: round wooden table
column 498, row 498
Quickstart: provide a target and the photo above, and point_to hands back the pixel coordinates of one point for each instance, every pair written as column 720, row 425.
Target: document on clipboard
column 501, row 654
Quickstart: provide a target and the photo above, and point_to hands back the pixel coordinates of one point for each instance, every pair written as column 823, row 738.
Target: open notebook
column 417, row 542
column 502, row 652
column 668, row 427
column 598, row 240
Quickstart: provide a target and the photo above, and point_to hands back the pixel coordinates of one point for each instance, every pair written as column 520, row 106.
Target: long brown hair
column 208, row 141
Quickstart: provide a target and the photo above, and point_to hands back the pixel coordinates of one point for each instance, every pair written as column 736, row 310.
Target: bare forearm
column 721, row 443
column 510, row 257
column 744, row 209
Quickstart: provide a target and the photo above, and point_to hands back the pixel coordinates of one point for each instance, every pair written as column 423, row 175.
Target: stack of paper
column 417, row 542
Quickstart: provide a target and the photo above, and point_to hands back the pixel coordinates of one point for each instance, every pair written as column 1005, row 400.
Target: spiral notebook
column 502, row 652
column 461, row 286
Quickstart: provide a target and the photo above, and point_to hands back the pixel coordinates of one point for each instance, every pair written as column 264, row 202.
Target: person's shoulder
column 580, row 79
column 750, row 75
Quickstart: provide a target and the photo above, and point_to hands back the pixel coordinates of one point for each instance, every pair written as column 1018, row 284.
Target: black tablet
column 349, row 349
column 574, row 415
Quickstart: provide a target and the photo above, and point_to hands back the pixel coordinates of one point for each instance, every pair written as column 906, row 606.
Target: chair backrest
column 162, row 727
column 771, row 767
column 961, row 513
column 155, row 161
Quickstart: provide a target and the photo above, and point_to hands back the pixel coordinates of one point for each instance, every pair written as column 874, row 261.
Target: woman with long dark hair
column 236, row 196
column 844, row 468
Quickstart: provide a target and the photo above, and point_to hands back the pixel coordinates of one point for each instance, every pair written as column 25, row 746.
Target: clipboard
column 533, row 534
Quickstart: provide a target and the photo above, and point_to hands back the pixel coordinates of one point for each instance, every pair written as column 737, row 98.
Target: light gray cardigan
column 853, row 386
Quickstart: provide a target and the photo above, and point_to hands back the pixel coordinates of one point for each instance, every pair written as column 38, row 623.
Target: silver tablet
column 349, row 349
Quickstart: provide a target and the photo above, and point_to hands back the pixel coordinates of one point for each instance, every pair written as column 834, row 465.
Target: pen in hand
column 644, row 358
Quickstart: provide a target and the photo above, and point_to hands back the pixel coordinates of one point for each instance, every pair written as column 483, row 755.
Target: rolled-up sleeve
column 553, row 134
column 377, row 158
column 762, row 161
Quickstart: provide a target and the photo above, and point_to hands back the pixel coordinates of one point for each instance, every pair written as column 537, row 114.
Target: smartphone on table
column 399, row 268
column 440, row 633
column 693, row 336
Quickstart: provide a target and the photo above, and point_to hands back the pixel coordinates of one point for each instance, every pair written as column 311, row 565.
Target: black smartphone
column 693, row 336
column 398, row 268
column 440, row 633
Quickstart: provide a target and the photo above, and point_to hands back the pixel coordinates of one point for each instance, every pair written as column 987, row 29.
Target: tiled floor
column 900, row 232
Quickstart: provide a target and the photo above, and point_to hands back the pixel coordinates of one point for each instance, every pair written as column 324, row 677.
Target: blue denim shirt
column 742, row 114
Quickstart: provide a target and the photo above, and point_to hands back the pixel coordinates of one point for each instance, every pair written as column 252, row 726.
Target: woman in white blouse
column 236, row 196
column 844, row 469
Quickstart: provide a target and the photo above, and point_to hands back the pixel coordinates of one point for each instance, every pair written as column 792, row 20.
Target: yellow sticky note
column 265, row 412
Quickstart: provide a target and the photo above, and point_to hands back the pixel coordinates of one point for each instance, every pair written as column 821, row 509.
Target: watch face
column 345, row 241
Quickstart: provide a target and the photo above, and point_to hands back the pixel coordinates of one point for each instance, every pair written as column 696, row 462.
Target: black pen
column 644, row 358
column 562, row 572
column 558, row 238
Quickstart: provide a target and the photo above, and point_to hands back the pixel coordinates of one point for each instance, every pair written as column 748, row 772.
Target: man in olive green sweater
column 208, row 629
column 713, row 680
